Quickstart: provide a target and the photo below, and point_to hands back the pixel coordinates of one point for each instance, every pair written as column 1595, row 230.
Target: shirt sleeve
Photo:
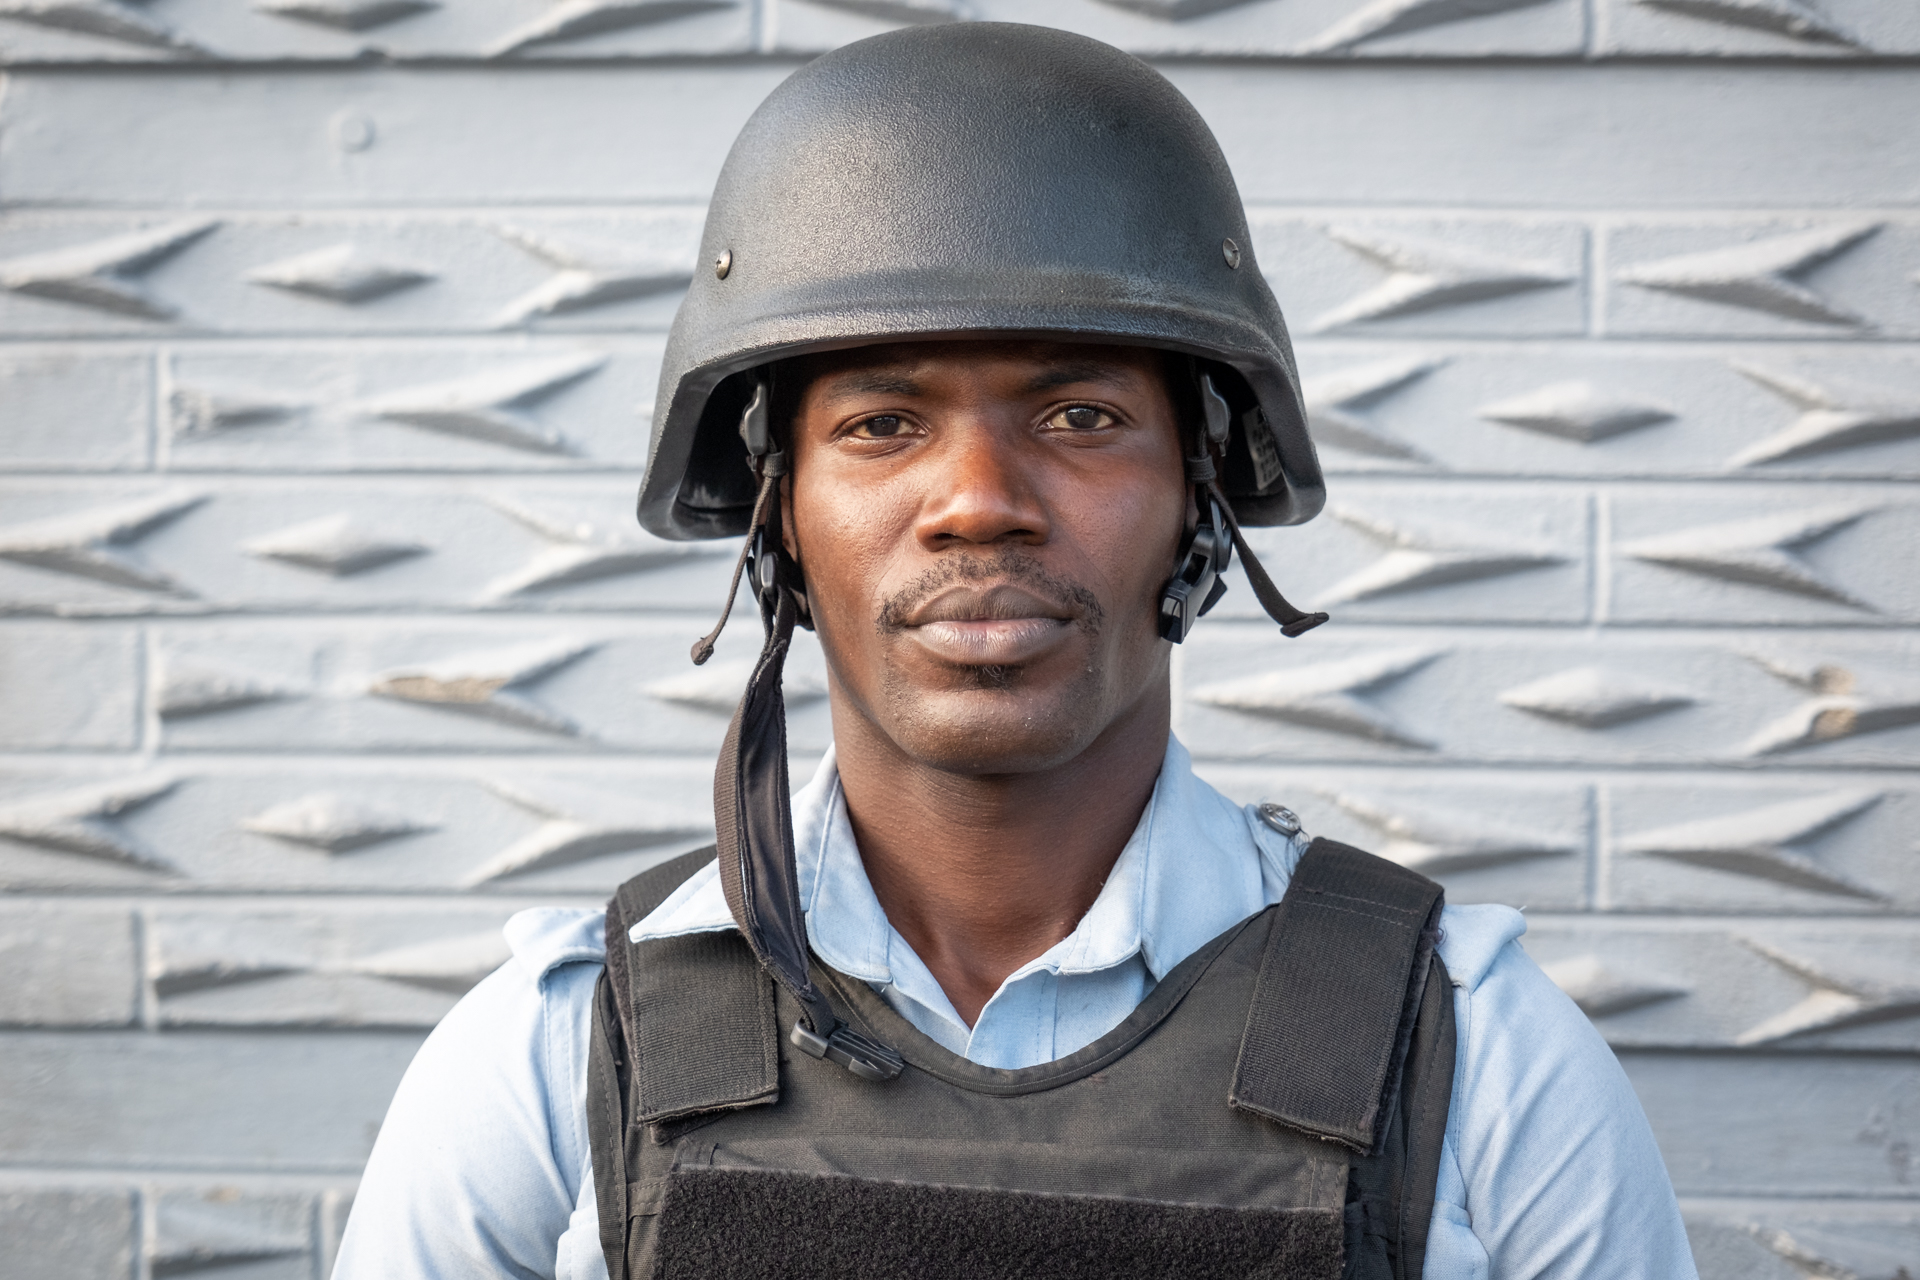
column 1561, row 1175
column 480, row 1164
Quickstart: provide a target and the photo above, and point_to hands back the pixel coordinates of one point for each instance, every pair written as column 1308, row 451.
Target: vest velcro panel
column 1340, row 987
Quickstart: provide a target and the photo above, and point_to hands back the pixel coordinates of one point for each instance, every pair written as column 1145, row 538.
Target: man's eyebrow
column 876, row 382
column 1066, row 375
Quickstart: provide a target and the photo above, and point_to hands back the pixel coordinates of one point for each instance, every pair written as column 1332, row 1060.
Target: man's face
column 985, row 528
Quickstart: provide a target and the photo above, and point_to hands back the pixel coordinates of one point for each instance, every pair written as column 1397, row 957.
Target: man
column 987, row 374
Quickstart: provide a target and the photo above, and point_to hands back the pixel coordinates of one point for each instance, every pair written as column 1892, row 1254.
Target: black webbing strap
column 1339, row 991
column 699, row 1013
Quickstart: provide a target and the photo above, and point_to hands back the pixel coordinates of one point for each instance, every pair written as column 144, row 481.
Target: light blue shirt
column 1548, row 1168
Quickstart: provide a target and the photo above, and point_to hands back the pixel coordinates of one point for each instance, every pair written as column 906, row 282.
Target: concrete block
column 75, row 409
column 1436, row 552
column 1486, row 837
column 364, row 966
column 1244, row 28
column 1842, row 1126
column 1366, row 695
column 82, row 829
column 569, row 685
column 1520, row 135
column 1482, row 277
column 1738, row 985
column 1834, row 276
column 73, row 1233
column 1795, row 843
column 67, row 964
column 65, row 687
column 1780, row 554
column 1613, row 409
column 1835, row 29
column 245, row 1234
column 1788, row 1240
column 346, row 274
column 354, row 545
column 505, row 32
column 265, row 142
column 225, row 1100
column 361, row 825
column 80, row 550
column 411, row 406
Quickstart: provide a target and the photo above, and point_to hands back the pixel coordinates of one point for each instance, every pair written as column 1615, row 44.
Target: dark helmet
column 965, row 179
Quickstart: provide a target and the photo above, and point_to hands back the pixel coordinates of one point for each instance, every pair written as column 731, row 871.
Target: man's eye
column 883, row 427
column 1082, row 417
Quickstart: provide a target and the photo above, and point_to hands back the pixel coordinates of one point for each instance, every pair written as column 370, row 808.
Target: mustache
column 1010, row 565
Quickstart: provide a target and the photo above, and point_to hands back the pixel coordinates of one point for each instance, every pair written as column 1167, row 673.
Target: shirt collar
column 1195, row 865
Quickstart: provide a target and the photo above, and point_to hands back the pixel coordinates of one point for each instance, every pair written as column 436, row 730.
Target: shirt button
column 1281, row 819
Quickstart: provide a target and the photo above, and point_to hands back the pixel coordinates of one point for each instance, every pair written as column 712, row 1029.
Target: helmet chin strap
column 1196, row 585
column 752, row 807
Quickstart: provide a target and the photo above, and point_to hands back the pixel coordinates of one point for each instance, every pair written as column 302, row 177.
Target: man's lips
column 1003, row 625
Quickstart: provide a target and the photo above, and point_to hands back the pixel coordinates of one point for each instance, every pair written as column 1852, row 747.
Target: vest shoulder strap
column 709, row 1040
column 1338, row 995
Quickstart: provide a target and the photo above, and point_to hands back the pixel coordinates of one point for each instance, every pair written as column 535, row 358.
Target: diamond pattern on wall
column 346, row 15
column 488, row 683
column 1385, row 18
column 1595, row 698
column 1762, row 552
column 1174, row 10
column 490, row 406
column 340, row 545
column 589, row 275
column 197, row 411
column 909, row 11
column 580, row 19
column 453, row 965
column 339, row 273
column 333, row 823
column 101, row 273
column 1435, row 843
column 97, row 544
column 1425, row 275
column 1602, row 992
column 1795, row 19
column 1419, row 559
column 1846, row 704
column 1828, row 422
column 1335, row 402
column 1760, row 276
column 585, row 552
column 189, row 688
column 1576, row 410
column 582, row 824
column 717, row 687
column 1328, row 695
column 83, row 822
column 108, row 19
column 1763, row 843
column 1833, row 1001
column 192, row 1236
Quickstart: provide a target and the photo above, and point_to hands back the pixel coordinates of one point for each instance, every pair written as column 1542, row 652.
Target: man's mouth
column 998, row 625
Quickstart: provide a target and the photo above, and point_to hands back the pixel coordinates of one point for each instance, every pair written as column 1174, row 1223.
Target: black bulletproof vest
column 1274, row 1108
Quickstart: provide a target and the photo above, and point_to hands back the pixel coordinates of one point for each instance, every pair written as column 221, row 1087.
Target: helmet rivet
column 1231, row 252
column 724, row 263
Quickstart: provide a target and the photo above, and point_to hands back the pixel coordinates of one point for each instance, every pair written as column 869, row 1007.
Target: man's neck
column 982, row 874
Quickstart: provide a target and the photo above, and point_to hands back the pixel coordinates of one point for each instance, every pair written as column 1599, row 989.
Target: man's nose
column 980, row 490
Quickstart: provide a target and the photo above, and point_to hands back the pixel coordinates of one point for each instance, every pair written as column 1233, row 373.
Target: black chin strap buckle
column 1196, row 586
column 868, row 1059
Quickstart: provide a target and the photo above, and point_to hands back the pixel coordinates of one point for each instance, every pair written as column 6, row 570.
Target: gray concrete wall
column 328, row 330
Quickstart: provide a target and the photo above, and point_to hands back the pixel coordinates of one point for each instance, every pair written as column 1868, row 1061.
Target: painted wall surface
column 328, row 334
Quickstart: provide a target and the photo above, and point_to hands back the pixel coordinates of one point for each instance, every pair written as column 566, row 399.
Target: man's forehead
column 906, row 368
